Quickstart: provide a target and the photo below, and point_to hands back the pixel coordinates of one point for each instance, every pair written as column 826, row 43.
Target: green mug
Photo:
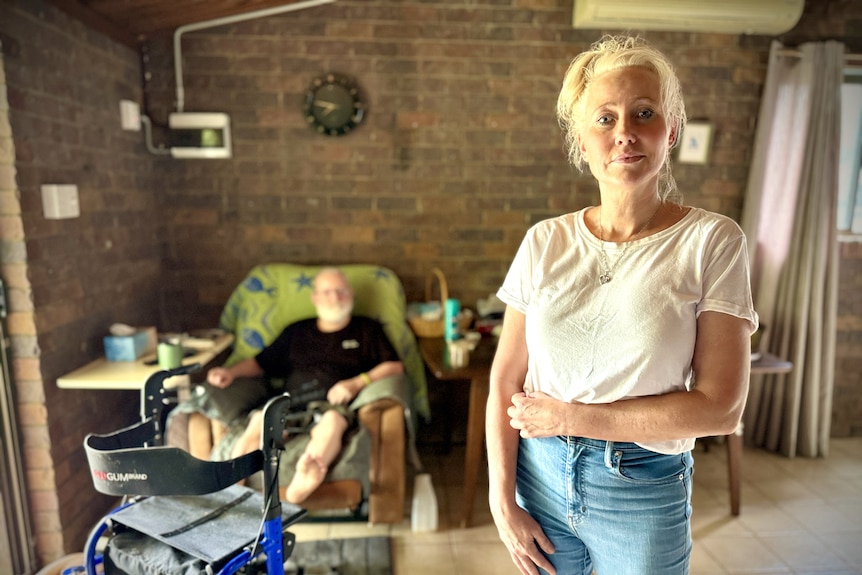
column 170, row 355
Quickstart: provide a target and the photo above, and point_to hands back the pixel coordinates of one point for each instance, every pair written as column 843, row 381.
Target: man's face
column 332, row 298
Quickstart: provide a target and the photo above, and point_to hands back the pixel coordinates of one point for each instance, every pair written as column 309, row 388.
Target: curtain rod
column 797, row 54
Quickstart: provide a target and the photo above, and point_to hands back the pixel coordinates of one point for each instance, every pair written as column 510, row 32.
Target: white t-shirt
column 633, row 336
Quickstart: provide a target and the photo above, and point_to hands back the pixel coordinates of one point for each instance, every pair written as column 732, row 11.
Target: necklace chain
column 607, row 274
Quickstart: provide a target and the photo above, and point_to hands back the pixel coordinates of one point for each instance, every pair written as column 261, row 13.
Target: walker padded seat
column 173, row 533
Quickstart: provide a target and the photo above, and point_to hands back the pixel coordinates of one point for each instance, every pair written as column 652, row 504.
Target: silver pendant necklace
column 607, row 275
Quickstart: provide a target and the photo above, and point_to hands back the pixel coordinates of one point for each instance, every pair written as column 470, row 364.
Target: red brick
column 416, row 120
column 21, row 323
column 43, row 500
column 26, row 369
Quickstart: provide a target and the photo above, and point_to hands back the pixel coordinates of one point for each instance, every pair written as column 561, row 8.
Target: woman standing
column 613, row 313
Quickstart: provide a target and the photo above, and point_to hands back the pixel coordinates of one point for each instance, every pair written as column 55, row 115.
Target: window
column 850, row 161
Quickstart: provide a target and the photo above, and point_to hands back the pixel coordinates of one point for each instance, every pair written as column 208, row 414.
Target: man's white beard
column 335, row 314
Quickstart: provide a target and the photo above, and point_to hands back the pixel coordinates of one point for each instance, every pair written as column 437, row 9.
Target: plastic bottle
column 450, row 327
column 423, row 514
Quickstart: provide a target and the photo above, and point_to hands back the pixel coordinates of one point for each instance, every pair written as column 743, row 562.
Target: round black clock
column 333, row 105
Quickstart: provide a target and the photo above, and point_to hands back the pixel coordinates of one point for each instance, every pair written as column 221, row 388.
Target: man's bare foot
column 310, row 473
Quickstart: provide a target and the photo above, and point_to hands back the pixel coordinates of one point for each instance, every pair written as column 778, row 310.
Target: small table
column 131, row 375
column 435, row 353
column 766, row 363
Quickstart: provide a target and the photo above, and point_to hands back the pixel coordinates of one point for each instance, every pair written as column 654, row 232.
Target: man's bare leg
column 250, row 438
column 219, row 430
column 322, row 449
column 200, row 436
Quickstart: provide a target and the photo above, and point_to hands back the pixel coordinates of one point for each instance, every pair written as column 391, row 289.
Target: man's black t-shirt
column 303, row 353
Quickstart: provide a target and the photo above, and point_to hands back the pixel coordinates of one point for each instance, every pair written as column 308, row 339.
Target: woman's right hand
column 219, row 377
column 527, row 543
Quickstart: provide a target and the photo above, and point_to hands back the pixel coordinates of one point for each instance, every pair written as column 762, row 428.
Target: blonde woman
column 613, row 312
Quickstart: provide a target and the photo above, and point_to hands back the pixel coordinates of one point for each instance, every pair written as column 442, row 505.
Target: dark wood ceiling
column 131, row 21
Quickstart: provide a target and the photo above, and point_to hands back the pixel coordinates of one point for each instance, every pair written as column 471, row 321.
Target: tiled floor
column 799, row 516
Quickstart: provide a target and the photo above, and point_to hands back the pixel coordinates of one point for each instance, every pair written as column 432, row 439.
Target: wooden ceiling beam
column 131, row 21
column 146, row 17
column 96, row 21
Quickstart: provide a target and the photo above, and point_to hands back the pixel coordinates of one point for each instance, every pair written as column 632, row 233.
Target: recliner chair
column 368, row 480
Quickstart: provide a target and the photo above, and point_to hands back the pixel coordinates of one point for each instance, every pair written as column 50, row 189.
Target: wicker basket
column 436, row 327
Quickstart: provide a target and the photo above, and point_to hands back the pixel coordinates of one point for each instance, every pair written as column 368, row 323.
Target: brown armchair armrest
column 384, row 420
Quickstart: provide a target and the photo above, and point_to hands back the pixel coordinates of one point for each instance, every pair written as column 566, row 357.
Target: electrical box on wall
column 130, row 116
column 60, row 201
column 200, row 135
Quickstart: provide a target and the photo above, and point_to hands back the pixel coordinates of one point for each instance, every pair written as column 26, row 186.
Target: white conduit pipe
column 178, row 62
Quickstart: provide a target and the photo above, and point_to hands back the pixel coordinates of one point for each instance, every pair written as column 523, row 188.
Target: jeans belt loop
column 609, row 454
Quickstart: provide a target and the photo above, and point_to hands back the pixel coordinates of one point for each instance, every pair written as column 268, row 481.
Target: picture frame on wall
column 696, row 143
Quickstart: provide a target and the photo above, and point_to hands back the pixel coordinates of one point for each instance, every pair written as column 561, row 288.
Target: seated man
column 342, row 352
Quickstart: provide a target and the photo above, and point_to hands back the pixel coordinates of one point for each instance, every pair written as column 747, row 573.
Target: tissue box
column 127, row 347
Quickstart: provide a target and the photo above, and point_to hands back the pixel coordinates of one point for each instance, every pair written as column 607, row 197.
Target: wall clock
column 333, row 105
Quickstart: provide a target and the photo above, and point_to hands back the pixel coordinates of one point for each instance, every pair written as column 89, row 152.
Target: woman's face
column 625, row 137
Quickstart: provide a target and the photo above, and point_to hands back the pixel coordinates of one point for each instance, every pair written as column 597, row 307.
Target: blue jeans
column 614, row 507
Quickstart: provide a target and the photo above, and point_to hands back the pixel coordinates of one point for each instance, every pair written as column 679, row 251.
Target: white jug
column 423, row 515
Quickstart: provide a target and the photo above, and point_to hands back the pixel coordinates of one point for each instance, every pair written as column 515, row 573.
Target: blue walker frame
column 140, row 447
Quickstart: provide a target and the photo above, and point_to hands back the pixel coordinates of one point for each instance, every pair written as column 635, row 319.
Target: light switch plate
column 130, row 115
column 60, row 201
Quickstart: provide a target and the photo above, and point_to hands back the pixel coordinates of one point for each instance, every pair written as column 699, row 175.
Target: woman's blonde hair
column 608, row 54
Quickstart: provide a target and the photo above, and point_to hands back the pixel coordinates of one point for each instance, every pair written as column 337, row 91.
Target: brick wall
column 847, row 397
column 18, row 325
column 459, row 155
column 69, row 279
column 460, row 152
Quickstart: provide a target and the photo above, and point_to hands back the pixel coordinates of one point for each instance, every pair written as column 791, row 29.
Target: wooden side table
column 104, row 374
column 767, row 363
column 435, row 353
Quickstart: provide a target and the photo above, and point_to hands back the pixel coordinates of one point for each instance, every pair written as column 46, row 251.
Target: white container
column 459, row 353
column 423, row 515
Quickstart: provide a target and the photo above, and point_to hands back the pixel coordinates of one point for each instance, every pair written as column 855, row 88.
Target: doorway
column 16, row 553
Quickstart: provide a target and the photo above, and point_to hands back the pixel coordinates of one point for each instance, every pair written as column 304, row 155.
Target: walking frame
column 180, row 514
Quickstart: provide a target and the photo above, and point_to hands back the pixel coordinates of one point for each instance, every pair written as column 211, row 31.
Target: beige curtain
column 789, row 218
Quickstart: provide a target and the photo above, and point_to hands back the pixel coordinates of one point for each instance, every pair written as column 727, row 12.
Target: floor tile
column 846, row 544
column 821, row 517
column 416, row 558
column 474, row 558
column 770, row 519
column 803, row 552
column 310, row 531
column 702, row 563
column 740, row 554
column 716, row 522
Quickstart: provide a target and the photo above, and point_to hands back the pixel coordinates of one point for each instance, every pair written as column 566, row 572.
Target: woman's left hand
column 537, row 414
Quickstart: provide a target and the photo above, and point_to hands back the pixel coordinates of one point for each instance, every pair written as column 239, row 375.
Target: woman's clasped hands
column 537, row 414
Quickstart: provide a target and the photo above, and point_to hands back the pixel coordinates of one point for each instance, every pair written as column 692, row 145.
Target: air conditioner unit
column 767, row 17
